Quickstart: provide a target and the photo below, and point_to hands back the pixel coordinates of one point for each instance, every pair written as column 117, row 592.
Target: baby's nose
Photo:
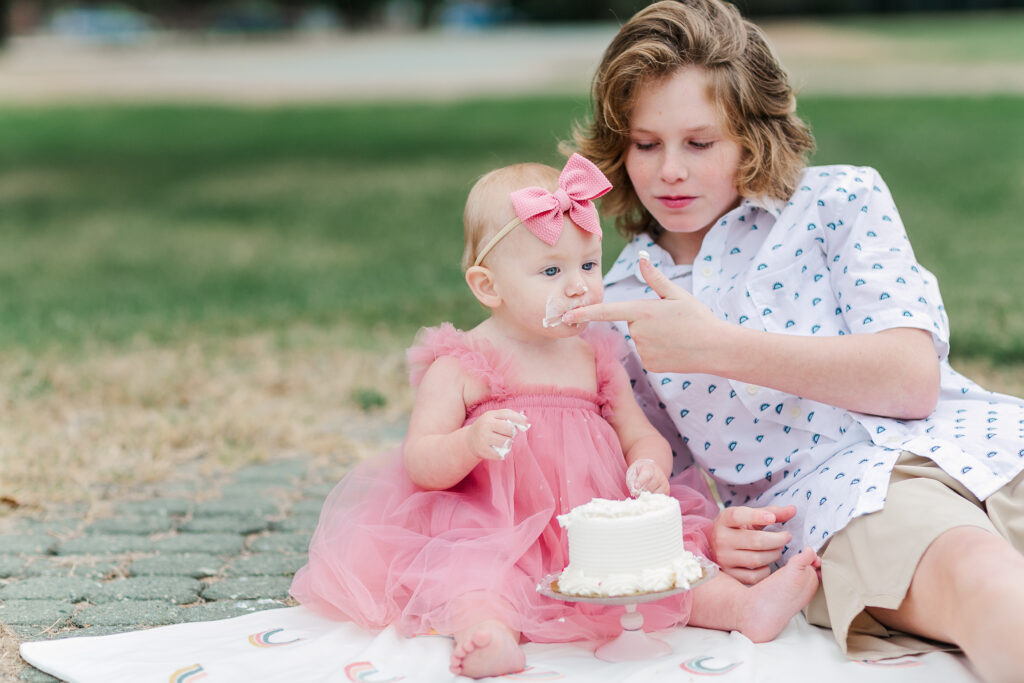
column 576, row 288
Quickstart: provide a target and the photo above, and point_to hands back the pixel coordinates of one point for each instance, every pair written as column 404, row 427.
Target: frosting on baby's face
column 557, row 306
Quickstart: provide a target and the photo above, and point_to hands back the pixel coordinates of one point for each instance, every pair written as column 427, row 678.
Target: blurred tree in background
column 263, row 16
column 782, row 7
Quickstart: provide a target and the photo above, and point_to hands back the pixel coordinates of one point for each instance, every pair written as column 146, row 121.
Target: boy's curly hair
column 746, row 82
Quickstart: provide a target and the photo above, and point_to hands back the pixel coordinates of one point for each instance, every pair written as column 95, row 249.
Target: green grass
column 951, row 37
column 169, row 222
column 162, row 221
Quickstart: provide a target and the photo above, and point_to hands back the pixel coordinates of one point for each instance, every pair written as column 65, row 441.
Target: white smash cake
column 626, row 547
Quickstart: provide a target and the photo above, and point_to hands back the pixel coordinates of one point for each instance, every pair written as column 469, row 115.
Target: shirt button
column 706, row 272
column 794, row 412
column 753, row 389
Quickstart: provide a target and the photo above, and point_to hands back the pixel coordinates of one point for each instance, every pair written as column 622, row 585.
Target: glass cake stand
column 633, row 643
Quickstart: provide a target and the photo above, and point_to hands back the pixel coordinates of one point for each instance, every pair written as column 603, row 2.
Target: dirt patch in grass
column 108, row 423
column 1006, row 379
column 10, row 661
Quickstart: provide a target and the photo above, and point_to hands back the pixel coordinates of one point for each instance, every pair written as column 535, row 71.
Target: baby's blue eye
column 551, row 271
column 589, row 265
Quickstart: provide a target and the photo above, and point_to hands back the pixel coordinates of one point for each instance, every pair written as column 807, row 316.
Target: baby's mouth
column 555, row 309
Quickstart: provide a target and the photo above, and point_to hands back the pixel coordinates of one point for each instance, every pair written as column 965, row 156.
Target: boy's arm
column 893, row 372
column 439, row 451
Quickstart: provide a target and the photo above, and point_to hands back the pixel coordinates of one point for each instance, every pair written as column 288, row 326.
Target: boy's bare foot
column 487, row 649
column 774, row 600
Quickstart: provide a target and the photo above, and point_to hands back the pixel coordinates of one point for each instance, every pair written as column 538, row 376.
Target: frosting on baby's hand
column 517, row 427
column 640, row 475
column 503, row 449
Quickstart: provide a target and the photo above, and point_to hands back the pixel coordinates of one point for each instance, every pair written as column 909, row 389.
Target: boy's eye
column 551, row 271
column 589, row 265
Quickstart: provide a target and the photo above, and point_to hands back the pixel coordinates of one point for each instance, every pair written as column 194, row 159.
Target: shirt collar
column 770, row 204
column 626, row 267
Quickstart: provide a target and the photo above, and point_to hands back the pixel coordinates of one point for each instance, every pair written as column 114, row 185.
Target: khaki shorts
column 871, row 562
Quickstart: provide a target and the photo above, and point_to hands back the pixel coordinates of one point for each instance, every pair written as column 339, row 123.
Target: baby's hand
column 644, row 475
column 490, row 437
column 742, row 548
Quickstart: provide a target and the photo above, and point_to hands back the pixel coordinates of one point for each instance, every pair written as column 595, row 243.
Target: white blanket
column 295, row 645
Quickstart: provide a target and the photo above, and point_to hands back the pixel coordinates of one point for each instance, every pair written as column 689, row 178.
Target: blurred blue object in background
column 249, row 16
column 470, row 15
column 103, row 23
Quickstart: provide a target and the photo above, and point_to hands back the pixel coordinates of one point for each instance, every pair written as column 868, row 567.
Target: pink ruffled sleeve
column 609, row 347
column 478, row 359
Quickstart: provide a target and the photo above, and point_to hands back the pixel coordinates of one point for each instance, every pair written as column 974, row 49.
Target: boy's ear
column 481, row 283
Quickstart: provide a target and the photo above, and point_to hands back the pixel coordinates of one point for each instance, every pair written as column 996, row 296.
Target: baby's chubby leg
column 762, row 611
column 489, row 648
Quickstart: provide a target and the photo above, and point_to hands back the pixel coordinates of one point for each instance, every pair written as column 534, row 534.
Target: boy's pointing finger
column 605, row 312
column 657, row 281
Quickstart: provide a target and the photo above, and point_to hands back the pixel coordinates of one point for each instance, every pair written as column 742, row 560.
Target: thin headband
column 541, row 211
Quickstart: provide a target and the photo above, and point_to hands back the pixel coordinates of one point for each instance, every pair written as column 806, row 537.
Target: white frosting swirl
column 682, row 573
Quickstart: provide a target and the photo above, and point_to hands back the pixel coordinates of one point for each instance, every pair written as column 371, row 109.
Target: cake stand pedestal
column 633, row 643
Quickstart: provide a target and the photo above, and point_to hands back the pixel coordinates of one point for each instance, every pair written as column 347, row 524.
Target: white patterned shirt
column 833, row 260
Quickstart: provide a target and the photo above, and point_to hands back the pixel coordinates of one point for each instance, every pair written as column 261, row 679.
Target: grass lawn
column 163, row 223
column 187, row 289
column 168, row 221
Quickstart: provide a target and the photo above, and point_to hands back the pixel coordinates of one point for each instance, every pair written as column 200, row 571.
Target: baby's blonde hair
column 746, row 83
column 489, row 207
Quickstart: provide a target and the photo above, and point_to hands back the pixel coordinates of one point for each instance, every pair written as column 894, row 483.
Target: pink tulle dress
column 386, row 551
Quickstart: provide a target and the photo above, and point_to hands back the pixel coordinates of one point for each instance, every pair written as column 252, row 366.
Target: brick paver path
column 198, row 551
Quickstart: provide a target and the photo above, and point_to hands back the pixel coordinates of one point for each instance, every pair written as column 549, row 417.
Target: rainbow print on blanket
column 366, row 672
column 263, row 639
column 296, row 644
column 708, row 666
column 188, row 674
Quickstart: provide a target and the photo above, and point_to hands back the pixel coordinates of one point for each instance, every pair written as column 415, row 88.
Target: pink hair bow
column 579, row 184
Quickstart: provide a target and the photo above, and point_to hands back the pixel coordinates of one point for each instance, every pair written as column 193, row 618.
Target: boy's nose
column 673, row 168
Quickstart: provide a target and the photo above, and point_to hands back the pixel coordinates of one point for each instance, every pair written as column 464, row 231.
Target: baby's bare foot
column 776, row 599
column 488, row 649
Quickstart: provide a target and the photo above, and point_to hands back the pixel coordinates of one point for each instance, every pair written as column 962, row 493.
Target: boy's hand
column 490, row 437
column 644, row 475
column 742, row 548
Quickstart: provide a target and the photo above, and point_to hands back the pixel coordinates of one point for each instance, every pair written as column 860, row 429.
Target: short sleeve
column 479, row 360
column 877, row 280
